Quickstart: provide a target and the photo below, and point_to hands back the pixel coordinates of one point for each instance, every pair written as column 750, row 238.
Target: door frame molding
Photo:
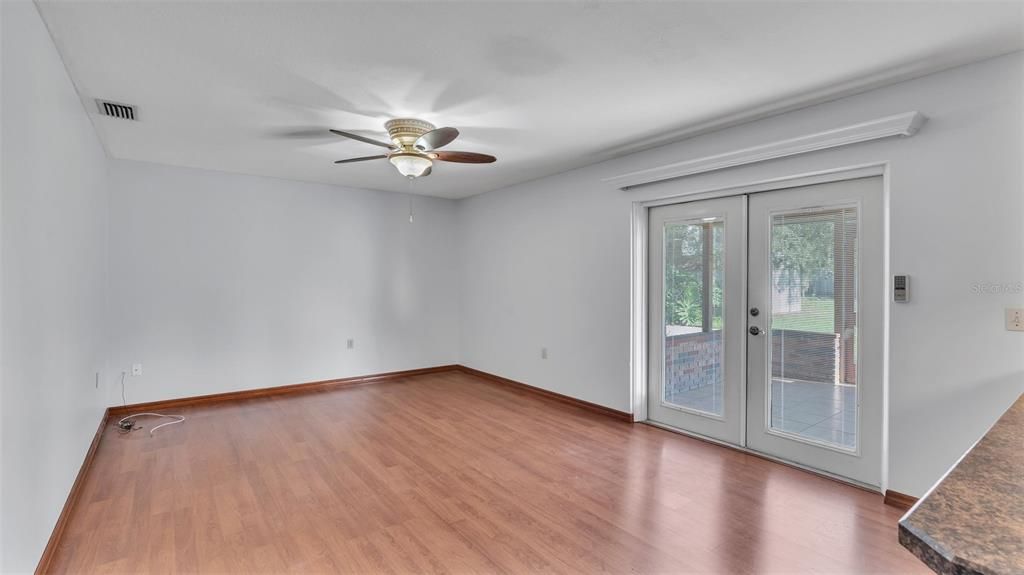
column 638, row 340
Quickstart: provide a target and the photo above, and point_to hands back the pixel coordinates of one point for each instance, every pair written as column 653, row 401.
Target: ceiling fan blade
column 362, row 159
column 435, row 139
column 465, row 157
column 363, row 139
column 300, row 133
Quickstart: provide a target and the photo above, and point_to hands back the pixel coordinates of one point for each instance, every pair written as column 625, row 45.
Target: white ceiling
column 237, row 86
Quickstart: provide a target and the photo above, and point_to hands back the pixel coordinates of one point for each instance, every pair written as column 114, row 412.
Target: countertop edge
column 942, row 529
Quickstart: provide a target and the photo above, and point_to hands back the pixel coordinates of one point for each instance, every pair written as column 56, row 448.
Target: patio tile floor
column 819, row 411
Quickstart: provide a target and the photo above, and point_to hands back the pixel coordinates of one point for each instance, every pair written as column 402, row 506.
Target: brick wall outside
column 805, row 355
column 692, row 360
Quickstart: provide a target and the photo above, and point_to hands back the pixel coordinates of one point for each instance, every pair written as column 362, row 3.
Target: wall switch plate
column 543, row 353
column 901, row 288
column 350, row 343
column 136, row 369
column 1015, row 319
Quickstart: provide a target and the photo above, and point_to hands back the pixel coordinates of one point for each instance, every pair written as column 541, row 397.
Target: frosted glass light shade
column 410, row 165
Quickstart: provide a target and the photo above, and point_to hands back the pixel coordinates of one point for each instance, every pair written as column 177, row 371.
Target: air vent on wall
column 115, row 110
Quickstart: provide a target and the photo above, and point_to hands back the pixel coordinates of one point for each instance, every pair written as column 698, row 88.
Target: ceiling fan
column 414, row 147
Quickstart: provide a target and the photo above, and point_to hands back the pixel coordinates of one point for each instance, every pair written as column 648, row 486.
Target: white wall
column 221, row 282
column 546, row 263
column 2, row 157
column 53, row 246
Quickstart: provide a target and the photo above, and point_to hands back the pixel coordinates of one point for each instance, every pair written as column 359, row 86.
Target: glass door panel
column 693, row 311
column 813, row 325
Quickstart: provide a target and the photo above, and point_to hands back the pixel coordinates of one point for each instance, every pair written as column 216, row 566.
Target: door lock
column 755, row 312
column 754, row 330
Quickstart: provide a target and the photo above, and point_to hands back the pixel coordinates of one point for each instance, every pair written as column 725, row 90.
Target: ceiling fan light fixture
column 414, row 147
column 410, row 165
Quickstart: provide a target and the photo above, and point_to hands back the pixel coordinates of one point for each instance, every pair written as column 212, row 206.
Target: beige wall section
column 547, row 263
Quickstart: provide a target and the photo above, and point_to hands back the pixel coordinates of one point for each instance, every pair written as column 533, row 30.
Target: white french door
column 765, row 318
column 814, row 369
column 696, row 318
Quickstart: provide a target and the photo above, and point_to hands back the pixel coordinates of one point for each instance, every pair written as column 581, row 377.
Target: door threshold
column 748, row 451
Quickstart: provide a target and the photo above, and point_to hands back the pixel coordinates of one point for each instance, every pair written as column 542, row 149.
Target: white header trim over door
column 905, row 125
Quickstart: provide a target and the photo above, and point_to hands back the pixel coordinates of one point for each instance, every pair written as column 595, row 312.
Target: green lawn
column 816, row 315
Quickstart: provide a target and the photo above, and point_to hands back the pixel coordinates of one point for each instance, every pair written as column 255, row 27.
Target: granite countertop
column 972, row 521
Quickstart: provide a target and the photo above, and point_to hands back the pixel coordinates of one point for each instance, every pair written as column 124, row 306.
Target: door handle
column 754, row 330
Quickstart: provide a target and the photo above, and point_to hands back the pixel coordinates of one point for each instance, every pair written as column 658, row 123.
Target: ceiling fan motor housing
column 413, row 147
column 405, row 131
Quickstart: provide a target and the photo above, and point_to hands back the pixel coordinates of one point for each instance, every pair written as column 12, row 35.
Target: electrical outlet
column 136, row 369
column 543, row 353
column 350, row 344
column 1014, row 319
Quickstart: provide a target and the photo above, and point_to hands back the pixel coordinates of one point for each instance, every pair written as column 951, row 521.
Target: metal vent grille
column 115, row 110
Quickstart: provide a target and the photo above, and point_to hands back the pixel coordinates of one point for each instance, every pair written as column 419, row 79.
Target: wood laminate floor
column 450, row 473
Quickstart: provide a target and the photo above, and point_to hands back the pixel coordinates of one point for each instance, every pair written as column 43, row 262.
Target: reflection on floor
column 818, row 411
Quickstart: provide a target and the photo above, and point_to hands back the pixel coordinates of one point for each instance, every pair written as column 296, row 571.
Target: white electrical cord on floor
column 177, row 419
column 131, row 426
